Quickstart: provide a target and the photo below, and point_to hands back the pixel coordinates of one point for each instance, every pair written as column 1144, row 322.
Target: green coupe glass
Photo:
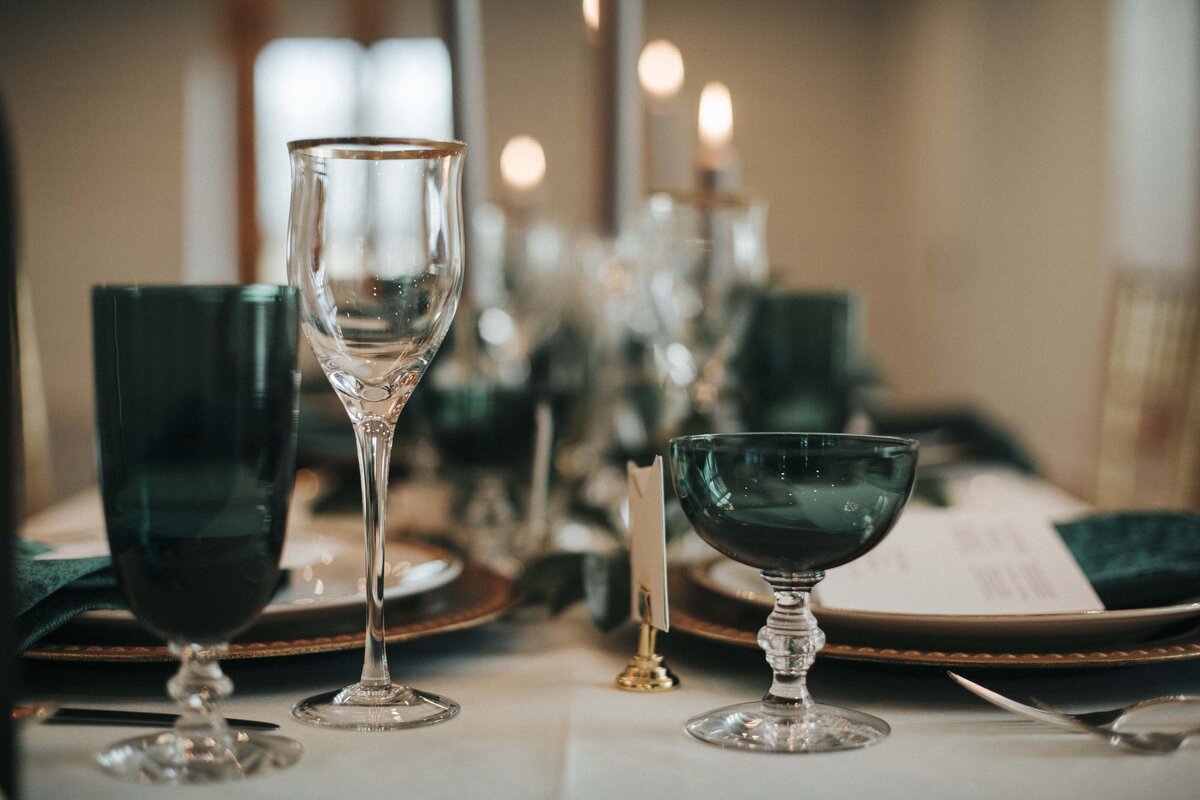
column 792, row 505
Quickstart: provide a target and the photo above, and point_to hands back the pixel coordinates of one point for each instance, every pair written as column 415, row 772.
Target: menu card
column 964, row 561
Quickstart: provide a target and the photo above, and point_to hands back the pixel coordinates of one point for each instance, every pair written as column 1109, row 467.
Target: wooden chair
column 34, row 471
column 38, row 459
column 1187, row 476
column 1150, row 413
column 9, row 438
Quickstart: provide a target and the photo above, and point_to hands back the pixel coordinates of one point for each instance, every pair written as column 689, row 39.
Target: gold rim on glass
column 376, row 148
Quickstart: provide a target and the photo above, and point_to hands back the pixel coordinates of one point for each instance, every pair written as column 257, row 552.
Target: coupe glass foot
column 358, row 708
column 819, row 728
column 167, row 758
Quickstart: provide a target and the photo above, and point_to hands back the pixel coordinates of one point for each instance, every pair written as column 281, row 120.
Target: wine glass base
column 356, row 708
column 818, row 729
column 166, row 758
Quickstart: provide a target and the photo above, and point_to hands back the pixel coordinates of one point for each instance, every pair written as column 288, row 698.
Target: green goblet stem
column 202, row 732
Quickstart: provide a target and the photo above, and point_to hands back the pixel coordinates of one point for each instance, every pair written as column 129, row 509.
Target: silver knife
column 148, row 719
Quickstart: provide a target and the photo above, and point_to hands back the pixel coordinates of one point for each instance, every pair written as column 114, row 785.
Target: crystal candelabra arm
column 791, row 638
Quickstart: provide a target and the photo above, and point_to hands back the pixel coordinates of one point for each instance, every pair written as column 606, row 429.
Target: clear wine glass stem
column 791, row 638
column 374, row 436
column 197, row 686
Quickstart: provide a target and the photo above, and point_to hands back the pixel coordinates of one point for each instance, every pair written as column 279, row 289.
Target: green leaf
column 554, row 580
column 606, row 579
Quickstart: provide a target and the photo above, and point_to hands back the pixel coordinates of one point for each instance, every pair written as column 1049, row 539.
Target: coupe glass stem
column 791, row 639
column 374, row 436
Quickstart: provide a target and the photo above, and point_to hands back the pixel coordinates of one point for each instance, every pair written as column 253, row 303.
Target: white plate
column 326, row 570
column 325, row 566
column 729, row 578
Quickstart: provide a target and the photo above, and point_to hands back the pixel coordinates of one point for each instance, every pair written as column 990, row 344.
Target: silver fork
column 1093, row 723
column 1107, row 717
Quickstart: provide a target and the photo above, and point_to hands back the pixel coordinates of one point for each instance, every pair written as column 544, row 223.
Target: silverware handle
column 100, row 716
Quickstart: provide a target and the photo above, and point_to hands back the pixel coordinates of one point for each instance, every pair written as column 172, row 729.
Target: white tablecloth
column 541, row 718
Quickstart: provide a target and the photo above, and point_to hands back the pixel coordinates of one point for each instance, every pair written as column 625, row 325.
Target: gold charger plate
column 697, row 612
column 477, row 596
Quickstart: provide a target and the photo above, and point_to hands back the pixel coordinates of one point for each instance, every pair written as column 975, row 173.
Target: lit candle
column 591, row 16
column 716, row 162
column 523, row 167
column 660, row 70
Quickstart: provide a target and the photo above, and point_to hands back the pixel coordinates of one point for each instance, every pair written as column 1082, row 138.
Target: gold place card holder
column 646, row 671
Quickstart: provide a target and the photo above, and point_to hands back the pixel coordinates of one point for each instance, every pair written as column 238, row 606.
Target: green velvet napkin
column 1138, row 559
column 50, row 592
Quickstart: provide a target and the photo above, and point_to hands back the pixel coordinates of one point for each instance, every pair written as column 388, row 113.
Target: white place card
column 648, row 542
column 964, row 561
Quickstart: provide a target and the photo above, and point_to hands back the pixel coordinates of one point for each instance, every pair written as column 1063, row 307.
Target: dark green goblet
column 196, row 403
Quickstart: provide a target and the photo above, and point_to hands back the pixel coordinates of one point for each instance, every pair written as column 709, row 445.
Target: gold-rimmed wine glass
column 375, row 247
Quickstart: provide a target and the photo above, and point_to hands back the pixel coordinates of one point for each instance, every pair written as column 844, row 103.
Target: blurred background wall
column 977, row 170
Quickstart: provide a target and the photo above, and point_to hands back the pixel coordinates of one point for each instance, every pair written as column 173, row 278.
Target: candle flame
column 591, row 14
column 660, row 69
column 523, row 163
column 716, row 116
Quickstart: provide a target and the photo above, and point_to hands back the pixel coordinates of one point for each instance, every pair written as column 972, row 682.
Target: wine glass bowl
column 375, row 250
column 792, row 505
column 703, row 258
